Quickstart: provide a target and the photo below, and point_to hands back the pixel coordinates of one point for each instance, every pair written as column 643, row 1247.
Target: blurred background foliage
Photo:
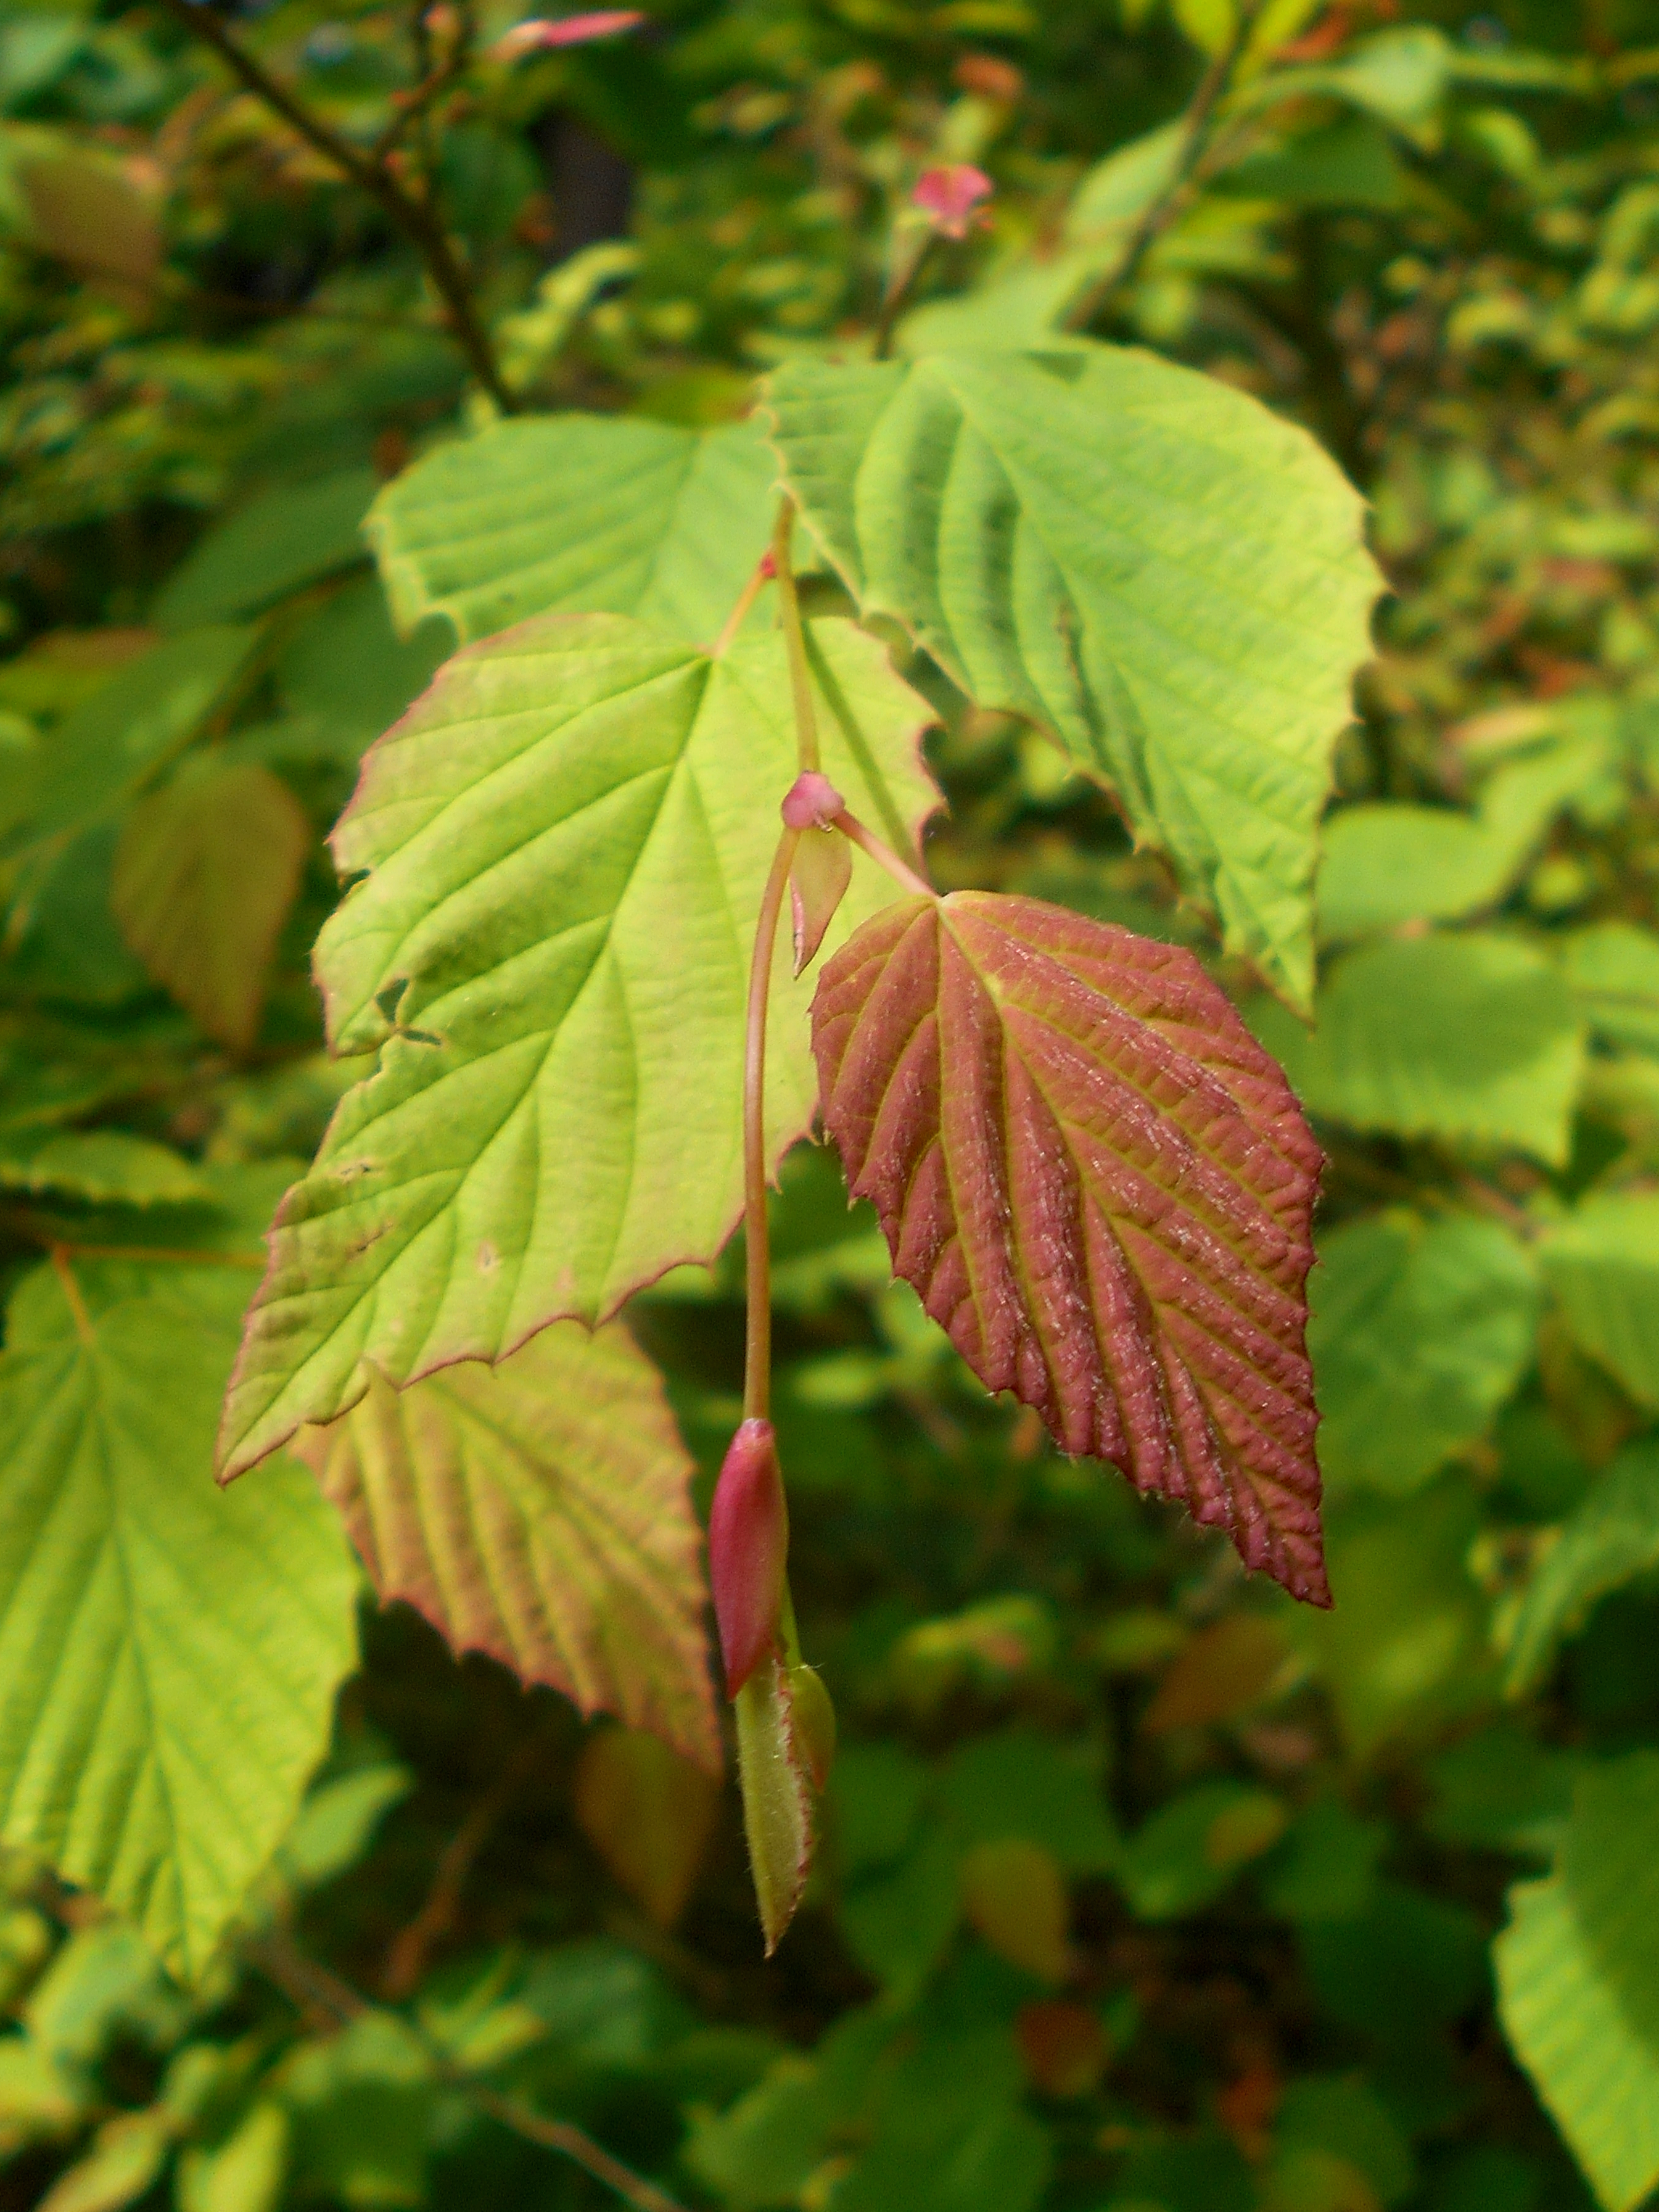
column 1140, row 1888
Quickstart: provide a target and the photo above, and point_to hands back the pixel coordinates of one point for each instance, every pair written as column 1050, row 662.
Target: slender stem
column 418, row 222
column 794, row 637
column 1162, row 212
column 883, row 855
column 307, row 1984
column 765, row 569
column 898, row 292
column 758, row 1327
column 71, row 1290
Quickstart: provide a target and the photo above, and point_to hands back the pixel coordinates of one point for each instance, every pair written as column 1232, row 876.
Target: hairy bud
column 748, row 1544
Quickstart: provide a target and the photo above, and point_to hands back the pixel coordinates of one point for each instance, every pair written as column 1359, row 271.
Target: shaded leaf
column 648, row 1814
column 127, row 2153
column 350, row 674
column 1102, row 1189
column 1470, row 1038
column 280, row 540
column 1014, row 1893
column 1603, row 1263
column 173, row 1653
column 105, row 748
column 566, row 842
column 205, row 873
column 1612, row 1538
column 1226, row 1669
column 1420, row 1330
column 89, row 209
column 1192, row 1849
column 1137, row 558
column 103, row 1166
column 577, row 513
column 540, row 1511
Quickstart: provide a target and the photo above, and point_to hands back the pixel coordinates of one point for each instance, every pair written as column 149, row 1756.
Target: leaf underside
column 1101, row 1187
column 562, row 848
column 1145, row 563
column 539, row 1512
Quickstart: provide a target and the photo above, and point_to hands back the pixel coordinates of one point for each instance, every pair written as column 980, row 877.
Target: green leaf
column 293, row 535
column 206, row 872
column 1613, row 970
column 1469, row 1038
column 105, row 748
column 1194, row 1846
column 127, row 2154
column 105, row 1167
column 348, row 674
column 777, row 1795
column 173, row 1653
column 1612, row 1538
column 1603, row 1263
column 577, row 513
column 1578, row 1981
column 540, row 1511
column 1137, row 558
column 566, row 843
column 1420, row 1330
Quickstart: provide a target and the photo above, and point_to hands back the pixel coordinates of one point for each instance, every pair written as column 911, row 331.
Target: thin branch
column 413, row 217
column 313, row 1987
column 765, row 569
column 71, row 1290
column 1157, row 216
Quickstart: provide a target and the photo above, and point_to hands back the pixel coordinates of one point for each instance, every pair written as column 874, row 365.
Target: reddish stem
column 883, row 855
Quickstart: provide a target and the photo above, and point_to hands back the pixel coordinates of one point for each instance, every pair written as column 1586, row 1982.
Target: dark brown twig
column 418, row 222
column 1162, row 211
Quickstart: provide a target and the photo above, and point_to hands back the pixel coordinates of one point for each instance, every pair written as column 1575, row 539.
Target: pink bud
column 748, row 1544
column 540, row 31
column 812, row 802
column 950, row 195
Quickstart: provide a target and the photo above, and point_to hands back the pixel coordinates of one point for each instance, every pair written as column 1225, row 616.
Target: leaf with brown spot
column 539, row 1512
column 204, row 875
column 1101, row 1187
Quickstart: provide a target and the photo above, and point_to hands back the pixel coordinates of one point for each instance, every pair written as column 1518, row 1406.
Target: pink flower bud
column 951, row 194
column 812, row 802
column 540, row 31
column 748, row 1544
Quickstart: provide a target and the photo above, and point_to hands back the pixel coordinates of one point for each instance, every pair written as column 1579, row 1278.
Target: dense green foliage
column 1140, row 1887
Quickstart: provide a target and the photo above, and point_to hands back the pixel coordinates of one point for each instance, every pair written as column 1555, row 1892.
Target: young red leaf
column 747, row 1545
column 1101, row 1185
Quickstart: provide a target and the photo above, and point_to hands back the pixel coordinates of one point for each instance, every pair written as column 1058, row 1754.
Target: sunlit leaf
column 1470, row 1038
column 1578, row 1981
column 172, row 1652
column 577, row 513
column 1102, row 1189
column 1420, row 1330
column 565, row 844
column 1139, row 559
column 1614, row 969
column 540, row 1511
column 204, row 875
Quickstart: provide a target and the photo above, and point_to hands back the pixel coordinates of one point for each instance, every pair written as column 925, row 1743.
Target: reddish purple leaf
column 1101, row 1185
column 541, row 32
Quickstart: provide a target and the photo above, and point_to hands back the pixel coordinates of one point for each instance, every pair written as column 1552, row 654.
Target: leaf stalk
column 883, row 855
column 757, row 1285
column 794, row 635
